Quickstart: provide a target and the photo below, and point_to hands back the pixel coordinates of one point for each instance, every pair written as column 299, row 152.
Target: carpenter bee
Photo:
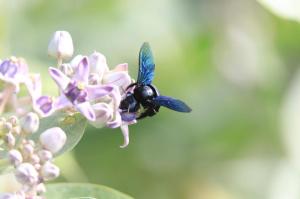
column 144, row 94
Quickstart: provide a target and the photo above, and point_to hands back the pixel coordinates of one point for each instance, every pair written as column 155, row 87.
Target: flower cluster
column 85, row 85
column 31, row 159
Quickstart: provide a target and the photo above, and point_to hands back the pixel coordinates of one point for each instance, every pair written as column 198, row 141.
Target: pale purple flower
column 76, row 92
column 43, row 105
column 14, row 71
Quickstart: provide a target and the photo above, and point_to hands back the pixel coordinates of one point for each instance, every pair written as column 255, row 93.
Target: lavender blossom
column 76, row 92
column 14, row 71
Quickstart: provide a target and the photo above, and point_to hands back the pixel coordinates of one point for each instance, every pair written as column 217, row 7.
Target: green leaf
column 83, row 191
column 73, row 125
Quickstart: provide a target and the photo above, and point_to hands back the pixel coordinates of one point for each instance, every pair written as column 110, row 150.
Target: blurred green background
column 235, row 62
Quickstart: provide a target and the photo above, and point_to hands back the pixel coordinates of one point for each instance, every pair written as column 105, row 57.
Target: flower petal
column 75, row 61
column 82, row 71
column 98, row 64
column 43, row 106
column 86, row 110
column 59, row 77
column 116, row 122
column 121, row 67
column 120, row 79
column 34, row 85
column 103, row 114
column 98, row 91
column 125, row 132
column 61, row 102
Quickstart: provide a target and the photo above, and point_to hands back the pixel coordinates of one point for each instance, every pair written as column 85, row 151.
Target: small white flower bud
column 10, row 139
column 98, row 63
column 61, row 45
column 30, row 123
column 28, row 150
column 35, row 159
column 15, row 157
column 26, row 174
column 45, row 155
column 40, row 188
column 13, row 120
column 53, row 139
column 66, row 69
column 49, row 171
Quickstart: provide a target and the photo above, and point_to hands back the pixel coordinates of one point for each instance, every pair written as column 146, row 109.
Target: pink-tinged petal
column 62, row 102
column 125, row 132
column 98, row 91
column 103, row 112
column 59, row 77
column 82, row 71
column 86, row 110
column 121, row 67
column 120, row 79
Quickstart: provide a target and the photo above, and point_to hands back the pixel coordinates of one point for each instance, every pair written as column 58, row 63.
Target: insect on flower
column 143, row 93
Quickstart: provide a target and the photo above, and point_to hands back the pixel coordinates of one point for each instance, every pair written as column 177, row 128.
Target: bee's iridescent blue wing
column 171, row 103
column 146, row 65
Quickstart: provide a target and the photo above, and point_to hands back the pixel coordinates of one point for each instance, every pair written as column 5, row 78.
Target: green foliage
column 73, row 125
column 75, row 190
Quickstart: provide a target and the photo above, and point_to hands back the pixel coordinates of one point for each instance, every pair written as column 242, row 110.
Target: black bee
column 143, row 93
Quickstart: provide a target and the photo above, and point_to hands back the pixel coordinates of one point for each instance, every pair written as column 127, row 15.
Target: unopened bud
column 15, row 157
column 61, row 45
column 28, row 150
column 49, row 171
column 45, row 155
column 30, row 123
column 98, row 63
column 13, row 120
column 26, row 174
column 35, row 159
column 53, row 139
column 10, row 139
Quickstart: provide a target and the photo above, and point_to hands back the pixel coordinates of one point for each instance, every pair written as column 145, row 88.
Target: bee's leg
column 148, row 112
column 131, row 85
